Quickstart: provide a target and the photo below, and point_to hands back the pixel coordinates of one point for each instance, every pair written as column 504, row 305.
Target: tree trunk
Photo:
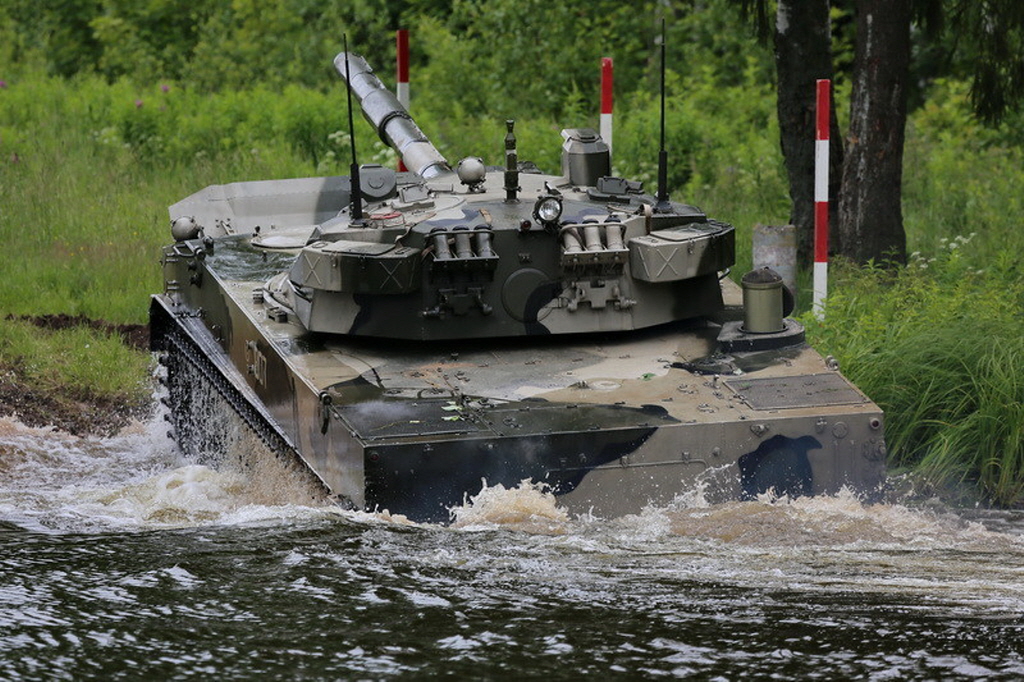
column 870, row 210
column 803, row 54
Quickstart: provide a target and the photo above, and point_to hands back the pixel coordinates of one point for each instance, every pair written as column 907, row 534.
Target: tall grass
column 937, row 345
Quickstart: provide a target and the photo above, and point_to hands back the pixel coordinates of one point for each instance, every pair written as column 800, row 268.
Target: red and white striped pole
column 402, row 80
column 606, row 102
column 821, row 198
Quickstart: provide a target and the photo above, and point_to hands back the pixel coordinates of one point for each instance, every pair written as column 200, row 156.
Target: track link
column 216, row 417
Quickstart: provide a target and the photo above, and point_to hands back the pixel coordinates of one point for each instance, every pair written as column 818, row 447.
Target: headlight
column 548, row 209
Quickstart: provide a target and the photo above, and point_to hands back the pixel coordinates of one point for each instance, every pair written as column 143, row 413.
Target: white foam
column 528, row 507
column 50, row 480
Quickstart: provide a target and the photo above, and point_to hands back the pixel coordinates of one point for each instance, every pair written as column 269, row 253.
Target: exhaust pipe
column 393, row 123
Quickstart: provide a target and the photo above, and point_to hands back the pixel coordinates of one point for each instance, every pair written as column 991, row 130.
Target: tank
column 404, row 339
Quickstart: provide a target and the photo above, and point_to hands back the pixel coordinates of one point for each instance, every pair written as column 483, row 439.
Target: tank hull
column 406, row 339
column 610, row 423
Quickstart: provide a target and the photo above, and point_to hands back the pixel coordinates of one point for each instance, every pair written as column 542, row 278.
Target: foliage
column 990, row 38
column 144, row 38
column 937, row 345
column 962, row 177
column 466, row 63
column 233, row 44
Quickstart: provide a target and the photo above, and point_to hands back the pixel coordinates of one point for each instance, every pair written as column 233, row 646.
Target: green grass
column 83, row 213
column 938, row 346
column 77, row 362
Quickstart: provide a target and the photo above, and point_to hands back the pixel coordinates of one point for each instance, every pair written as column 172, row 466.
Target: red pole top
column 824, row 107
column 402, row 46
column 606, row 85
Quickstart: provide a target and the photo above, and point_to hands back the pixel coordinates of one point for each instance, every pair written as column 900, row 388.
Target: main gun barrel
column 393, row 123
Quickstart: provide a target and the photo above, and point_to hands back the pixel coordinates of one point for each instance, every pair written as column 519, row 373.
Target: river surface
column 119, row 559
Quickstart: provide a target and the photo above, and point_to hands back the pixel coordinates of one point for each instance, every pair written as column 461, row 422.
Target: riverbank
column 38, row 399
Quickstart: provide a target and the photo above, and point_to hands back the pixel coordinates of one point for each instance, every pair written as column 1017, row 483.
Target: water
column 121, row 560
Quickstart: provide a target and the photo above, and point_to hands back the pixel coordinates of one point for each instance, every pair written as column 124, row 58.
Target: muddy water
column 121, row 560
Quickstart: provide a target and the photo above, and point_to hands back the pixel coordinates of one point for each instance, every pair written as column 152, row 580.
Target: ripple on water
column 118, row 548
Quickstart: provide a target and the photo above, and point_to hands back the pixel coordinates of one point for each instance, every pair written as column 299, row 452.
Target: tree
column 803, row 55
column 990, row 37
column 870, row 202
column 987, row 37
column 802, row 38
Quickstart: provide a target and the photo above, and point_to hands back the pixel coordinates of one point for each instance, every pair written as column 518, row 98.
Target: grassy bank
column 938, row 346
column 88, row 168
column 73, row 373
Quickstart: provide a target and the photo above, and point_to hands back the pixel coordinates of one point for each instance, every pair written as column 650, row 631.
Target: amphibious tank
column 405, row 339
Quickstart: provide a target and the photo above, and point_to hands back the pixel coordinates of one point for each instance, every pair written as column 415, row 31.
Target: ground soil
column 74, row 411
column 134, row 335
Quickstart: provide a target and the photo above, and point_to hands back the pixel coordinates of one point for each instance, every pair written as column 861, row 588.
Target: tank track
column 213, row 420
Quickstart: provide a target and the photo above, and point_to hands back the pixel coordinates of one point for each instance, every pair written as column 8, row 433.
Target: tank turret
column 483, row 253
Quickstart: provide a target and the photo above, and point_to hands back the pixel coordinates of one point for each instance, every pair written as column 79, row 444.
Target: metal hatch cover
column 804, row 390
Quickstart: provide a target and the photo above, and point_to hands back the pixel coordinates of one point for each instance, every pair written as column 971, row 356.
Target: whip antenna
column 663, row 205
column 354, row 187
